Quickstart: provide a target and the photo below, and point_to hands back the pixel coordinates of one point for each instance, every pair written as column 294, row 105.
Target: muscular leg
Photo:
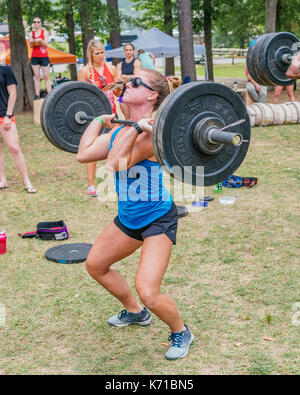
column 91, row 171
column 37, row 79
column 154, row 260
column 11, row 138
column 290, row 92
column 277, row 91
column 3, row 181
column 47, row 78
column 111, row 246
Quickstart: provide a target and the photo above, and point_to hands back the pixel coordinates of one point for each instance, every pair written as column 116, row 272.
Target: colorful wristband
column 100, row 119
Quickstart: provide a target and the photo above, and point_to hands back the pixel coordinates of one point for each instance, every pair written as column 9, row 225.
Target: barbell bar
column 189, row 132
column 212, row 135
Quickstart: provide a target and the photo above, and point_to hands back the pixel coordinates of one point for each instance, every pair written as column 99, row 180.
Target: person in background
column 147, row 59
column 278, row 89
column 127, row 69
column 38, row 41
column 8, row 128
column 100, row 74
column 257, row 92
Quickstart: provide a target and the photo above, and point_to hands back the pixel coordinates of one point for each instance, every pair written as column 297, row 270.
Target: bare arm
column 31, row 40
column 83, row 75
column 131, row 148
column 93, row 147
column 294, row 70
column 137, row 66
column 12, row 92
column 12, row 96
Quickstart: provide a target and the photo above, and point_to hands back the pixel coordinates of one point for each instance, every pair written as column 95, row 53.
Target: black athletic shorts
column 167, row 224
column 36, row 61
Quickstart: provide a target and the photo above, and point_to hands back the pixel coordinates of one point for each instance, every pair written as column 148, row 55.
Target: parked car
column 59, row 38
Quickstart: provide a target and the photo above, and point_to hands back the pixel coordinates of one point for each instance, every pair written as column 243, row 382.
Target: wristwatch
column 137, row 127
column 8, row 116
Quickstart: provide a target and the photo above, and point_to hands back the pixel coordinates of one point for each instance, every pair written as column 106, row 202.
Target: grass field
column 234, row 273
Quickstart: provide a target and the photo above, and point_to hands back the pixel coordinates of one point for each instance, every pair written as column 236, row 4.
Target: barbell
column 270, row 56
column 200, row 129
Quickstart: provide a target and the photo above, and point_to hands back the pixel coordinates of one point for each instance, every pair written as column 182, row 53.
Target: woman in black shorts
column 147, row 216
column 38, row 40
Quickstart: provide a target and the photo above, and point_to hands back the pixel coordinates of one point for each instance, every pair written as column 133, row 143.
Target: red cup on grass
column 2, row 242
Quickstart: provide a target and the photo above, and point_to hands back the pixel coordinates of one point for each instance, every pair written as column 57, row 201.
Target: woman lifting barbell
column 149, row 222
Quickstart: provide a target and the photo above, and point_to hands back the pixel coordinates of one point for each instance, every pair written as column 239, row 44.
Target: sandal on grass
column 30, row 190
column 3, row 186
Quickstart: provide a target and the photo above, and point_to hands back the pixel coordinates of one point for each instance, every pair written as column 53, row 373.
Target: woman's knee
column 148, row 296
column 15, row 150
column 95, row 267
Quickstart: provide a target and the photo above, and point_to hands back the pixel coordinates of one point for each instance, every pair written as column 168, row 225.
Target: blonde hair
column 92, row 45
column 162, row 85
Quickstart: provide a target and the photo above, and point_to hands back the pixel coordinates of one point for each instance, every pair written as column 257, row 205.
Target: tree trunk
column 187, row 61
column 208, row 39
column 114, row 35
column 278, row 16
column 270, row 15
column 19, row 57
column 71, row 38
column 168, row 24
column 86, row 28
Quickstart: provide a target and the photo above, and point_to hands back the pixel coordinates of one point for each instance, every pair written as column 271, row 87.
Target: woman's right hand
column 107, row 118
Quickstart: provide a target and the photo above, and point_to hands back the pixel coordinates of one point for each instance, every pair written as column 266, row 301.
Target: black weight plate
column 43, row 123
column 62, row 103
column 174, row 126
column 182, row 211
column 278, row 45
column 255, row 63
column 68, row 253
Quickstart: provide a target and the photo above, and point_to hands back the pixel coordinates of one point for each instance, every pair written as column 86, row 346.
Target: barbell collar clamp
column 287, row 58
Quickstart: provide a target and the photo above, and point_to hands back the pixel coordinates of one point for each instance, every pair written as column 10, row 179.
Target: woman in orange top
column 38, row 40
column 101, row 74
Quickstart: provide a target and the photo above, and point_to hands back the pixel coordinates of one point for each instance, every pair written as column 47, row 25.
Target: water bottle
column 2, row 242
column 218, row 188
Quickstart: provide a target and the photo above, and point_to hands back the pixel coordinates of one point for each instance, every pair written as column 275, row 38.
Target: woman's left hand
column 7, row 124
column 146, row 124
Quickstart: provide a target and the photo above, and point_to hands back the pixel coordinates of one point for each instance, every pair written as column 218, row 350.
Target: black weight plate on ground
column 174, row 125
column 68, row 253
column 277, row 45
column 182, row 211
column 63, row 102
column 255, row 63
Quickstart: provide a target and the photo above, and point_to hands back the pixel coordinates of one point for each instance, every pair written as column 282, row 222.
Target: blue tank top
column 142, row 197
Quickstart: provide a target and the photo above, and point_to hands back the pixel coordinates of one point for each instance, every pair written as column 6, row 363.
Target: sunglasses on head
column 137, row 81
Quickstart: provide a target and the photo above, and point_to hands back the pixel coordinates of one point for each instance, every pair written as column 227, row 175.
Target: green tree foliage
column 238, row 22
column 153, row 14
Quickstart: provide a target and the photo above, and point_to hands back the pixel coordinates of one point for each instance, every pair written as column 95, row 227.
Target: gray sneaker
column 181, row 342
column 125, row 318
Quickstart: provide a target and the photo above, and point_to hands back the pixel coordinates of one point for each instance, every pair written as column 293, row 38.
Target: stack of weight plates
column 264, row 114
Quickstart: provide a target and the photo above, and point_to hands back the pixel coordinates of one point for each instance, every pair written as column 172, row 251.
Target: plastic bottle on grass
column 218, row 188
